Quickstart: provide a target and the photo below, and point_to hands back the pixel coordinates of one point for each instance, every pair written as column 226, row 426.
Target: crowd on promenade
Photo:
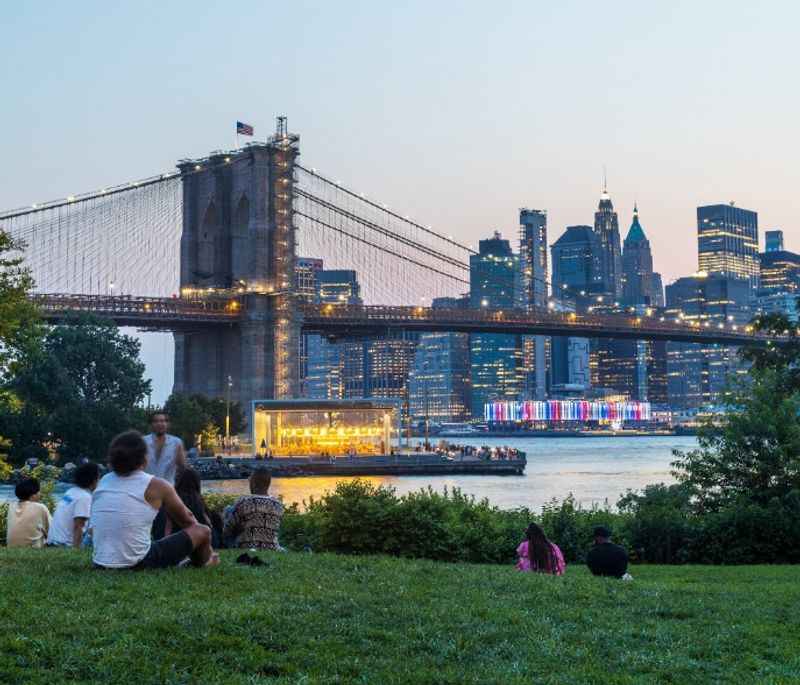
column 483, row 453
column 148, row 512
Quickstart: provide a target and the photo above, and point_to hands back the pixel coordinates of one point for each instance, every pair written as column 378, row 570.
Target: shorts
column 167, row 552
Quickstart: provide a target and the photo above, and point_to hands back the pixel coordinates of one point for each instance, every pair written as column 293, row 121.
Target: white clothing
column 163, row 465
column 76, row 503
column 121, row 520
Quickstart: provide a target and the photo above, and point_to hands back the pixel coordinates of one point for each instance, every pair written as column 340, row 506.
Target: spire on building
column 605, row 198
column 636, row 232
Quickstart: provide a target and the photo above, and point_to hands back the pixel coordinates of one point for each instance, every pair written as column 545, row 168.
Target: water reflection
column 595, row 470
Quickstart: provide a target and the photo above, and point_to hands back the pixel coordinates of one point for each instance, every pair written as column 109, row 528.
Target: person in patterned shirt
column 254, row 520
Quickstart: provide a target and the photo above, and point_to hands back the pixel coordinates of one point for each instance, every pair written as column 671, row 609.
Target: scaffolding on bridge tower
column 284, row 151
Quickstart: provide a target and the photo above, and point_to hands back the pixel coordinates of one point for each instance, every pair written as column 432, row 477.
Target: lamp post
column 228, row 412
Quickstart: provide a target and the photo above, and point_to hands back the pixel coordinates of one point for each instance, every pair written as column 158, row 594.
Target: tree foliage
column 77, row 391
column 18, row 315
column 753, row 455
column 194, row 415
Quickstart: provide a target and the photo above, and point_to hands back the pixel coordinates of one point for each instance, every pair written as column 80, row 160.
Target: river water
column 594, row 470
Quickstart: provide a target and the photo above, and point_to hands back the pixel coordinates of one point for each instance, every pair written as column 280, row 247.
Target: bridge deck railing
column 366, row 314
column 144, row 307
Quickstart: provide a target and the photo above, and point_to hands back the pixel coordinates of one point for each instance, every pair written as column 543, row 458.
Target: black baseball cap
column 602, row 532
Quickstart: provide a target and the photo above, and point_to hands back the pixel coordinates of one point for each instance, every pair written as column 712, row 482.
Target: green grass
column 334, row 619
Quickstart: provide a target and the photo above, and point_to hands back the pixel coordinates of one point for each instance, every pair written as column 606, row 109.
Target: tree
column 78, row 390
column 18, row 315
column 191, row 414
column 753, row 455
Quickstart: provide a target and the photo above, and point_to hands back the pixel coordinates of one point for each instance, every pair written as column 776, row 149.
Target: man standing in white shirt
column 165, row 454
column 73, row 509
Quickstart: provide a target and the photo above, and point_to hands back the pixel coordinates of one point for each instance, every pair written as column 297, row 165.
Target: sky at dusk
column 456, row 113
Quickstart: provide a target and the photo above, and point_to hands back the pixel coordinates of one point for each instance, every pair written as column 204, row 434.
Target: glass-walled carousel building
column 325, row 427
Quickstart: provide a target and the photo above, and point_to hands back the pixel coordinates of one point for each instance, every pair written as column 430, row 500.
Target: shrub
column 750, row 533
column 3, row 522
column 660, row 527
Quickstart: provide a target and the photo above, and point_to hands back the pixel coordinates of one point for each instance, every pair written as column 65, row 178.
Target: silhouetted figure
column 606, row 558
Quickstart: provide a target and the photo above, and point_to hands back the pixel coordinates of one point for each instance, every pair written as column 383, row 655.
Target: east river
column 594, row 470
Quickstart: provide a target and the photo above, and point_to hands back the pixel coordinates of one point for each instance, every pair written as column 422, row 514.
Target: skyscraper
column 727, row 242
column 577, row 280
column 335, row 370
column 606, row 228
column 306, row 272
column 577, row 265
column 533, row 256
column 496, row 363
column 699, row 374
column 641, row 284
column 780, row 272
column 439, row 383
column 339, row 286
column 533, row 267
column 779, row 286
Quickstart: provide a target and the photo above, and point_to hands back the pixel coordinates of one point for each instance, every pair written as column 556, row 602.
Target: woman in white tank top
column 124, row 505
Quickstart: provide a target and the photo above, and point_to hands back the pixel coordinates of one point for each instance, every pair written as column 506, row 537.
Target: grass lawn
column 334, row 619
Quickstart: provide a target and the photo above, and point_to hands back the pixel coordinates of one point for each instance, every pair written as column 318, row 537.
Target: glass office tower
column 727, row 243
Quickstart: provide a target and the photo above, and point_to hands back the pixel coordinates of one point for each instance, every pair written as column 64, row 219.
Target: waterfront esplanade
column 325, row 427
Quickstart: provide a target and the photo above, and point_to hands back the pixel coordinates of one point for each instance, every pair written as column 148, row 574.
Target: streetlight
column 228, row 412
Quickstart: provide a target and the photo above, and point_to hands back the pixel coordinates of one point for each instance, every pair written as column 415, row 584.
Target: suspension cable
column 385, row 232
column 378, row 247
column 385, row 209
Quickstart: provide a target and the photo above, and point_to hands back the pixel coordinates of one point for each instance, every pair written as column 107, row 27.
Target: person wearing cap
column 606, row 558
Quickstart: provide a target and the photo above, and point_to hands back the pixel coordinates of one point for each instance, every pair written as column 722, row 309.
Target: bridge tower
column 238, row 239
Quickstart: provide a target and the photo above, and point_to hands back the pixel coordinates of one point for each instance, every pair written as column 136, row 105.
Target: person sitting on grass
column 254, row 520
column 73, row 509
column 188, row 487
column 28, row 519
column 606, row 558
column 124, row 505
column 538, row 555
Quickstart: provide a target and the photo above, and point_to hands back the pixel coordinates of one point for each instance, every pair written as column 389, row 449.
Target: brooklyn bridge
column 211, row 253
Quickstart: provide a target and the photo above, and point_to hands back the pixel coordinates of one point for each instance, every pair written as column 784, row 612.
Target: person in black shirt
column 606, row 558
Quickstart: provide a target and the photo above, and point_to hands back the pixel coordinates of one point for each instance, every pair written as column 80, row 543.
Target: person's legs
column 202, row 552
column 193, row 542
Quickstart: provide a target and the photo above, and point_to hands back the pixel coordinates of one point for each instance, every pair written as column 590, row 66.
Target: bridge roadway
column 176, row 313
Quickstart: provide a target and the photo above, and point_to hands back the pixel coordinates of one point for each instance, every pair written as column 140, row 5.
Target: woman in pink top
column 538, row 555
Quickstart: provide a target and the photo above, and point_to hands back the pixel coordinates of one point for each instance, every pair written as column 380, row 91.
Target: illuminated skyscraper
column 606, row 228
column 496, row 364
column 641, row 284
column 699, row 374
column 533, row 267
column 780, row 272
column 577, row 271
column 306, row 272
column 439, row 384
column 727, row 243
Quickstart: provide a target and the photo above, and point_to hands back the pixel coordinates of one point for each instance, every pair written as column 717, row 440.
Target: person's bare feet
column 213, row 560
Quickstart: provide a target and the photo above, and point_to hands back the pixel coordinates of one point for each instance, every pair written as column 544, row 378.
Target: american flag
column 244, row 129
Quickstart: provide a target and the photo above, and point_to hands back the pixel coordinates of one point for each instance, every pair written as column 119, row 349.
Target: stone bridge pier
column 238, row 240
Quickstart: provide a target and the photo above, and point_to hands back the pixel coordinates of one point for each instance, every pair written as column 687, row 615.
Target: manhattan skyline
column 451, row 114
column 521, row 110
